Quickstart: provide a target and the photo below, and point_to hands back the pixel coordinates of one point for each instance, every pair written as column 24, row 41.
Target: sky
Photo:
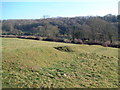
column 12, row 9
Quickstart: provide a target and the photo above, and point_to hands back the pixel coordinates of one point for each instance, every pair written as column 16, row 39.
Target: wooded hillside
column 87, row 29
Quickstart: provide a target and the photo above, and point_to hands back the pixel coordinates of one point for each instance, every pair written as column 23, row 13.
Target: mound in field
column 64, row 48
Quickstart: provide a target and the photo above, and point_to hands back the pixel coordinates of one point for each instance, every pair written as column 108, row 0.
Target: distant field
column 32, row 63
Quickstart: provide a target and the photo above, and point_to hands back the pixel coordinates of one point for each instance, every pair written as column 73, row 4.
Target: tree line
column 95, row 29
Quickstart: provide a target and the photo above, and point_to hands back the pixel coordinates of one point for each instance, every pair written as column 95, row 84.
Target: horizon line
column 60, row 17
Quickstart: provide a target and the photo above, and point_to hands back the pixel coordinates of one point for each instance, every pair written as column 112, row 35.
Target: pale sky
column 35, row 9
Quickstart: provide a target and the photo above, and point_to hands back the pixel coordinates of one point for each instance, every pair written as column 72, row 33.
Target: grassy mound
column 35, row 64
column 64, row 48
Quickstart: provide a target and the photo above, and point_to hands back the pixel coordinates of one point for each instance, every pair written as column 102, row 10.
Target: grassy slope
column 30, row 63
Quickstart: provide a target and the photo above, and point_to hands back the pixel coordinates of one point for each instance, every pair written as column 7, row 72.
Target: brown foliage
column 105, row 44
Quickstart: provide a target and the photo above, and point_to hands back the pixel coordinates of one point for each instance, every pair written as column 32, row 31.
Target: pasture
column 37, row 64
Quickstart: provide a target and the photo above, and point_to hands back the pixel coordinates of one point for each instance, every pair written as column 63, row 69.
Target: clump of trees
column 87, row 29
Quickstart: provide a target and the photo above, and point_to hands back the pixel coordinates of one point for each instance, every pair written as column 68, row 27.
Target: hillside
column 30, row 63
column 89, row 29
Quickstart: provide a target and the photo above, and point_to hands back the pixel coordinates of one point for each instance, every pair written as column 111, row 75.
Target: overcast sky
column 54, row 8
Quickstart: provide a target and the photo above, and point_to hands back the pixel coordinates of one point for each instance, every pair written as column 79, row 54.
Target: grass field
column 35, row 64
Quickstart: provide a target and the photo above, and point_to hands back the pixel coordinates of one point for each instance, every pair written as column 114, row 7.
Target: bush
column 9, row 36
column 106, row 44
column 67, row 41
column 77, row 41
column 54, row 39
column 29, row 37
column 115, row 44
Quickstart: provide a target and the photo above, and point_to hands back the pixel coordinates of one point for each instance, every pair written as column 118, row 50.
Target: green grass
column 35, row 64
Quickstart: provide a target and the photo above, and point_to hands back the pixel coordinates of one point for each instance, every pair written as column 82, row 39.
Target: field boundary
column 105, row 44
